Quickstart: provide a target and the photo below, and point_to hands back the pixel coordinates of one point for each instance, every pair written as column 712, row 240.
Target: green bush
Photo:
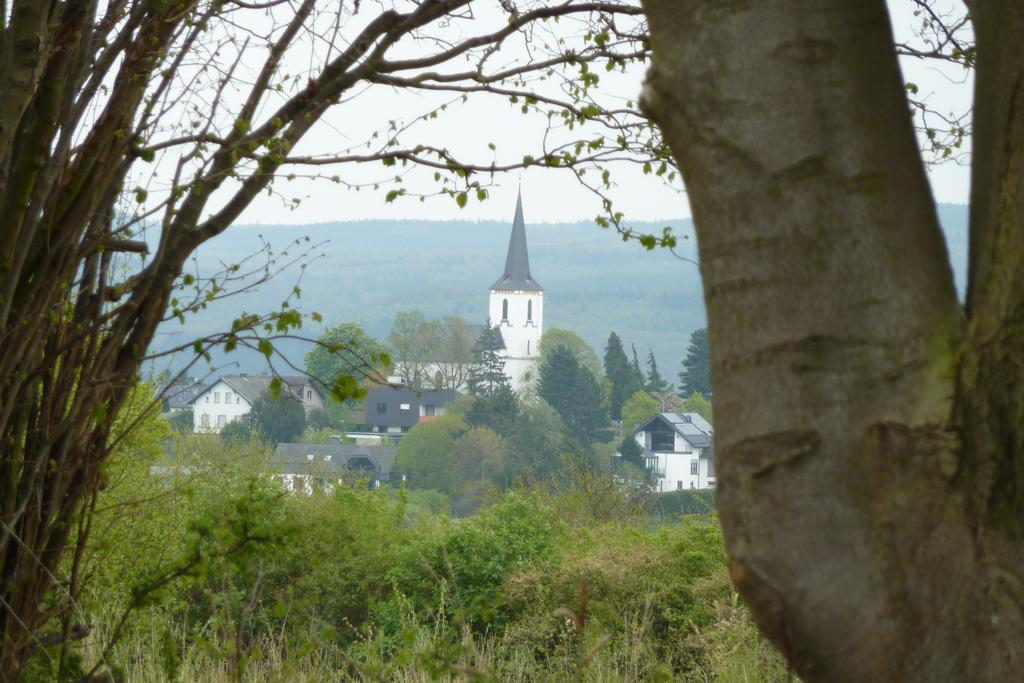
column 569, row 582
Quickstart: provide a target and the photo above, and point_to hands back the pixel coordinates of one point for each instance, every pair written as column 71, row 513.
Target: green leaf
column 266, row 347
column 461, row 200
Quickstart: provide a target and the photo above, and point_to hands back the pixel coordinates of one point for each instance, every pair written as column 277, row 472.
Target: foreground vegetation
column 223, row 576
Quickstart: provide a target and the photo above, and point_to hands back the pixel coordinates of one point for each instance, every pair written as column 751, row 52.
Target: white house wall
column 215, row 403
column 520, row 332
column 311, row 399
column 679, row 474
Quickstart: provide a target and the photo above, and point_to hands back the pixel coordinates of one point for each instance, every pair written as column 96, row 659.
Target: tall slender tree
column 622, row 375
column 638, row 373
column 655, row 382
column 696, row 373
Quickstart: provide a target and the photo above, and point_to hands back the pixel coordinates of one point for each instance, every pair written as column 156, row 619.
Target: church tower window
column 504, row 310
column 529, row 311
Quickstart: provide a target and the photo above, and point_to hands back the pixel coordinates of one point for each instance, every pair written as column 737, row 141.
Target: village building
column 175, row 398
column 517, row 306
column 678, row 450
column 306, row 467
column 232, row 396
column 392, row 410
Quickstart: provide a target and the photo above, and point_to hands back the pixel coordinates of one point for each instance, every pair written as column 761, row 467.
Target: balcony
column 654, row 468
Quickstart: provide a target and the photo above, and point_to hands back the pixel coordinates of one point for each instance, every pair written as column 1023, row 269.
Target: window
column 382, row 408
column 238, row 399
column 527, row 347
column 504, row 310
column 204, row 420
column 216, row 397
column 207, row 398
column 679, row 486
column 529, row 311
column 694, row 467
column 227, row 397
column 309, row 394
column 221, row 421
column 403, row 408
column 663, row 441
column 430, row 410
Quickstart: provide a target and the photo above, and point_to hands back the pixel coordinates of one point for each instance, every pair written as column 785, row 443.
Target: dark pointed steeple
column 517, row 263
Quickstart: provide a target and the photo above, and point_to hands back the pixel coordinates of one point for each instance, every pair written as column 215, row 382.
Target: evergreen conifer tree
column 696, row 372
column 638, row 374
column 496, row 411
column 488, row 374
column 624, row 378
column 655, row 382
column 574, row 393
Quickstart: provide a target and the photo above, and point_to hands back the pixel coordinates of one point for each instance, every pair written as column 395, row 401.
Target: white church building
column 517, row 306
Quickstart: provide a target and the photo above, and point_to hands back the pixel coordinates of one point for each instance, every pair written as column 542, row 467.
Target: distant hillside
column 593, row 282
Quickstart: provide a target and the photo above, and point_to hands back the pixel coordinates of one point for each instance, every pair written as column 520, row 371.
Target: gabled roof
column 332, row 459
column 517, row 262
column 177, row 396
column 251, row 387
column 691, row 426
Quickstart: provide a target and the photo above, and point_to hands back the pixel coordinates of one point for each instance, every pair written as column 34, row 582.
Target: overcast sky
column 549, row 195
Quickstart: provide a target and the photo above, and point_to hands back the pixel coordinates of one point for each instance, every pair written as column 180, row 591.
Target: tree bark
column 855, row 498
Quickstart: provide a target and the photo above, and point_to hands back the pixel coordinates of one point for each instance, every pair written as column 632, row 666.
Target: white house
column 679, row 451
column 232, row 396
column 517, row 305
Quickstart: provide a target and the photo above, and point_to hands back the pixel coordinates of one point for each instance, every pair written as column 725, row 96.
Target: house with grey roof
column 305, row 467
column 232, row 396
column 175, row 398
column 394, row 409
column 679, row 451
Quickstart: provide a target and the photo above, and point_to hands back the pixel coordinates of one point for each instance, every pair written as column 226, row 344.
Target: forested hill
column 593, row 282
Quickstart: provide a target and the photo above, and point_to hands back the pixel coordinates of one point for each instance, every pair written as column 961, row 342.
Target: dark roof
column 251, row 387
column 517, row 263
column 178, row 396
column 694, row 428
column 332, row 459
column 478, row 331
column 395, row 396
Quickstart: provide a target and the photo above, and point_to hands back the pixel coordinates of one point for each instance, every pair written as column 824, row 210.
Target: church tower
column 517, row 304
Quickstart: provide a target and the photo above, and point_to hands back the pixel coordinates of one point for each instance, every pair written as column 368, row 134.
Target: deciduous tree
column 640, row 408
column 133, row 131
column 277, row 419
column 870, row 427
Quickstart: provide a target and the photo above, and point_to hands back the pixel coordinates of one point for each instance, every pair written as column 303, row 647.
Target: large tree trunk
column 868, row 430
